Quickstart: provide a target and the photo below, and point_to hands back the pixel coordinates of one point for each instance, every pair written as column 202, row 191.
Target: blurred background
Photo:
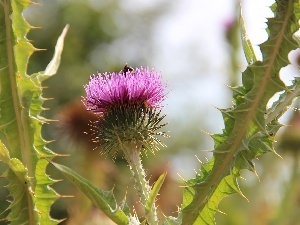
column 196, row 46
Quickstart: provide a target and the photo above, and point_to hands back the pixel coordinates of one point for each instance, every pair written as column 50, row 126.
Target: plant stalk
column 132, row 155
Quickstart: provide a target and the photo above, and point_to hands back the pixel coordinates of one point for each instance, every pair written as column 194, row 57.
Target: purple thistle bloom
column 138, row 87
column 129, row 105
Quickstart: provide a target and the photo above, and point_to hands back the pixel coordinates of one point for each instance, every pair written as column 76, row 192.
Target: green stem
column 132, row 155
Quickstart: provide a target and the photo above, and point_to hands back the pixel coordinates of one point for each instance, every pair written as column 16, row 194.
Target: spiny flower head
column 141, row 86
column 129, row 105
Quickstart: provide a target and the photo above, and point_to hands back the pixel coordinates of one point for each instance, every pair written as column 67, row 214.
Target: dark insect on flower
column 127, row 69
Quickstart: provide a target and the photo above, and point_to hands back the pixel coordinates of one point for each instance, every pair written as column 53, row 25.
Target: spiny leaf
column 21, row 123
column 20, row 188
column 247, row 45
column 246, row 133
column 284, row 101
column 153, row 193
column 104, row 200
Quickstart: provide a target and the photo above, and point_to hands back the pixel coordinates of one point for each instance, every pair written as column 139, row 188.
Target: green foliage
column 22, row 147
column 104, row 200
column 154, row 192
column 18, row 186
column 247, row 45
column 246, row 134
column 249, row 130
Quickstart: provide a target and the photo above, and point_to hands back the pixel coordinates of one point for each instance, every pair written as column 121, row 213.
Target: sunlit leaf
column 104, row 200
column 246, row 134
column 154, row 191
column 21, row 121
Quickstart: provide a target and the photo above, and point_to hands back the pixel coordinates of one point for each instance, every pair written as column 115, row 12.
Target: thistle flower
column 129, row 105
column 137, row 87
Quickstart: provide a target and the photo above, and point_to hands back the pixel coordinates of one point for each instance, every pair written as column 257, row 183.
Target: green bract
column 129, row 123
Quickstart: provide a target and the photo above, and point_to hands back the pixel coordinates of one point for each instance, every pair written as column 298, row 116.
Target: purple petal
column 143, row 86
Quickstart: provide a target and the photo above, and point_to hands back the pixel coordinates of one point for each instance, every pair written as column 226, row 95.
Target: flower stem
column 132, row 155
